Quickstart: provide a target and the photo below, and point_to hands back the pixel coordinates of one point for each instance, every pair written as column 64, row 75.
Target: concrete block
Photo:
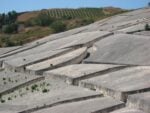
column 73, row 57
column 120, row 84
column 122, row 49
column 18, row 64
column 86, row 106
column 140, row 101
column 73, row 73
column 127, row 110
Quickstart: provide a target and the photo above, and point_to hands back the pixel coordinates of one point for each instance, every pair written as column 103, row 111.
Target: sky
column 29, row 5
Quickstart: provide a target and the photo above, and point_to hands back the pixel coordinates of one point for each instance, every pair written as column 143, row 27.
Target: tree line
column 8, row 22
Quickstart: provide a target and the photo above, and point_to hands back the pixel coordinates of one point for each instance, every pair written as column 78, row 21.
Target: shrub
column 4, row 78
column 45, row 90
column 10, row 28
column 58, row 26
column 9, row 98
column 34, row 87
column 147, row 27
column 2, row 101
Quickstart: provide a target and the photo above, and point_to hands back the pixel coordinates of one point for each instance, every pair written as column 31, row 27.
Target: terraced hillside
column 103, row 67
column 73, row 13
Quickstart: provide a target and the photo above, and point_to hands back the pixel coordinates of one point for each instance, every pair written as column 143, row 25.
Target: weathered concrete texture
column 73, row 73
column 59, row 93
column 85, row 39
column 132, row 29
column 101, row 105
column 140, row 101
column 144, row 33
column 39, row 42
column 8, row 49
column 139, row 13
column 120, row 84
column 122, row 49
column 121, row 25
column 18, row 64
column 61, row 35
column 76, row 40
column 128, row 110
column 73, row 57
column 12, row 81
column 121, row 21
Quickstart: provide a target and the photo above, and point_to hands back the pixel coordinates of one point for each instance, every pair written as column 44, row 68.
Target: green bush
column 45, row 90
column 34, row 87
column 2, row 101
column 147, row 27
column 9, row 98
column 58, row 26
column 10, row 28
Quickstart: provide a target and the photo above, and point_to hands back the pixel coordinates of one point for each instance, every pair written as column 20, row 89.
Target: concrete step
column 98, row 105
column 73, row 57
column 120, row 84
column 8, row 49
column 18, row 64
column 140, row 101
column 74, row 73
column 127, row 110
column 59, row 93
column 10, row 81
column 123, row 49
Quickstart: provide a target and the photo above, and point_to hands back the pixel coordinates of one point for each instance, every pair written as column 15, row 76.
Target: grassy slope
column 33, row 33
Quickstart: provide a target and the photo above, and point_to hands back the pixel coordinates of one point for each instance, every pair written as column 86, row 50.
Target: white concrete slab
column 19, row 63
column 128, row 110
column 122, row 49
column 120, row 84
column 74, row 73
column 87, row 106
column 73, row 57
column 140, row 101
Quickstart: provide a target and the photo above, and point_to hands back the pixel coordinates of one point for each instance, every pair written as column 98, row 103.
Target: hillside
column 95, row 13
column 30, row 26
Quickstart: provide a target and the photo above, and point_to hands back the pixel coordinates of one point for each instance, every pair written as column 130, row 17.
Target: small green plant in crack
column 5, row 83
column 9, row 79
column 9, row 98
column 27, row 88
column 48, row 84
column 2, row 101
column 4, row 78
column 45, row 90
column 34, row 87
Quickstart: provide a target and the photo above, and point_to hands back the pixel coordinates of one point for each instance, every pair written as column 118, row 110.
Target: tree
column 149, row 4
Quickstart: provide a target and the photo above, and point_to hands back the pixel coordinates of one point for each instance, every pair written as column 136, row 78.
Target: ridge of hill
column 74, row 13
